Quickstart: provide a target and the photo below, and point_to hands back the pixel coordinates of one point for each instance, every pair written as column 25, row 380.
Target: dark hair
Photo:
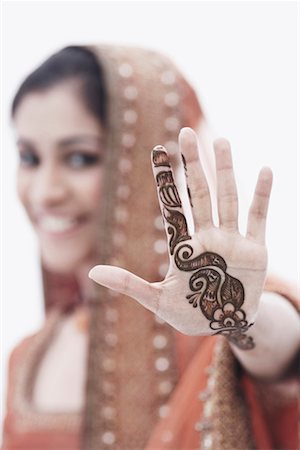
column 71, row 62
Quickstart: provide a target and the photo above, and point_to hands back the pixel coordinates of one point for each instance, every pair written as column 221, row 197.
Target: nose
column 49, row 187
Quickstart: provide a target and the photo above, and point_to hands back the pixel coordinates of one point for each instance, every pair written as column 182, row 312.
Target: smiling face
column 61, row 148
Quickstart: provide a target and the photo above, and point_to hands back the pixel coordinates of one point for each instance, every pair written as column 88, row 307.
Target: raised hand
column 216, row 275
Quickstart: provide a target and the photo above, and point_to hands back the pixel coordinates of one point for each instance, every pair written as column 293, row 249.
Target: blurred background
column 241, row 57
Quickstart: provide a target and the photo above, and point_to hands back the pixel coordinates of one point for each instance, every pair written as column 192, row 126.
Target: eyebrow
column 82, row 139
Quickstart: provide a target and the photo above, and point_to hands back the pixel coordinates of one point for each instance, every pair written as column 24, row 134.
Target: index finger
column 169, row 198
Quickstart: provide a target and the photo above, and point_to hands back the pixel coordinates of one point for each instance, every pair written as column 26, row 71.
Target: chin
column 61, row 268
column 56, row 262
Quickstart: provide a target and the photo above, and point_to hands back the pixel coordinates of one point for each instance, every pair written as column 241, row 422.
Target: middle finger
column 197, row 183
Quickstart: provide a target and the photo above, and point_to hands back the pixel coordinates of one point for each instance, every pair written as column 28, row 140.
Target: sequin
column 162, row 364
column 108, row 412
column 171, row 99
column 204, row 395
column 160, row 246
column 108, row 437
column 123, row 191
column 159, row 223
column 208, row 407
column 130, row 92
column 125, row 70
column 211, row 383
column 172, row 124
column 165, row 387
column 125, row 165
column 128, row 140
column 111, row 315
column 163, row 411
column 130, row 116
column 203, row 425
column 207, row 442
column 111, row 339
column 160, row 341
column 168, row 77
column 121, row 215
column 108, row 364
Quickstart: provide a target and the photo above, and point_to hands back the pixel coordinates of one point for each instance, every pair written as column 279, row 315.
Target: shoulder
column 20, row 351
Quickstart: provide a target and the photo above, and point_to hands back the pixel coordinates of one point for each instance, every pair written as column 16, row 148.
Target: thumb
column 127, row 283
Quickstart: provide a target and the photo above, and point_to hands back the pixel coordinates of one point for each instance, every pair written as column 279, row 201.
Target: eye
column 28, row 159
column 82, row 159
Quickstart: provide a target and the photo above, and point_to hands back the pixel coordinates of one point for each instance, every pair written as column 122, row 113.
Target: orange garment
column 179, row 430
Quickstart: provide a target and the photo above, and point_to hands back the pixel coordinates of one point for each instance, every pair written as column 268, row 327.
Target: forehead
column 54, row 114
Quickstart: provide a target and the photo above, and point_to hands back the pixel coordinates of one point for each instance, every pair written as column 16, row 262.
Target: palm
column 216, row 276
column 246, row 261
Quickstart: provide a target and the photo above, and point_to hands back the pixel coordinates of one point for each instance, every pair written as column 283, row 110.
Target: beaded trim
column 123, row 408
column 225, row 423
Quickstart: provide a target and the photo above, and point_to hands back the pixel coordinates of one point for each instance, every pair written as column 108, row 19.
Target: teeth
column 55, row 224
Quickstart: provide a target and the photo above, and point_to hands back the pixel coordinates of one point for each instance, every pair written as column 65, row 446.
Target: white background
column 242, row 59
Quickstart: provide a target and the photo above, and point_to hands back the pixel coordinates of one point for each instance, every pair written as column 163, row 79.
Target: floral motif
column 228, row 317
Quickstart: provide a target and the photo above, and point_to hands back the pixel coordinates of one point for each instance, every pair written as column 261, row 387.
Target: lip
column 61, row 234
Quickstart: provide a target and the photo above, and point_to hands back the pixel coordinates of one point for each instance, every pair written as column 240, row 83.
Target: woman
column 104, row 372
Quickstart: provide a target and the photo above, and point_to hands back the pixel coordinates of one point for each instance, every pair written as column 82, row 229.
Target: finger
column 127, row 283
column 169, row 199
column 257, row 217
column 226, row 186
column 196, row 181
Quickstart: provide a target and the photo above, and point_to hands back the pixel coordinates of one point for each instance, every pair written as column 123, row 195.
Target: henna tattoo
column 241, row 340
column 205, row 259
column 167, row 190
column 184, row 162
column 169, row 197
column 160, row 157
column 186, row 177
column 178, row 231
column 218, row 295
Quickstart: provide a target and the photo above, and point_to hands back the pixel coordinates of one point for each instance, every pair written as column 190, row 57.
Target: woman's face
column 60, row 174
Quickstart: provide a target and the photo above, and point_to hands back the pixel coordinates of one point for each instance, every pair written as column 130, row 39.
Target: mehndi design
column 218, row 295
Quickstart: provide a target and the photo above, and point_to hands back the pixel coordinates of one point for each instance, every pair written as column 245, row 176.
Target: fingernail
column 160, row 156
column 188, row 135
column 92, row 273
column 222, row 143
column 187, row 130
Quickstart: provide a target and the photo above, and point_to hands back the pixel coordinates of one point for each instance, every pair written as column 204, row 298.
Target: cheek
column 89, row 188
column 23, row 187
